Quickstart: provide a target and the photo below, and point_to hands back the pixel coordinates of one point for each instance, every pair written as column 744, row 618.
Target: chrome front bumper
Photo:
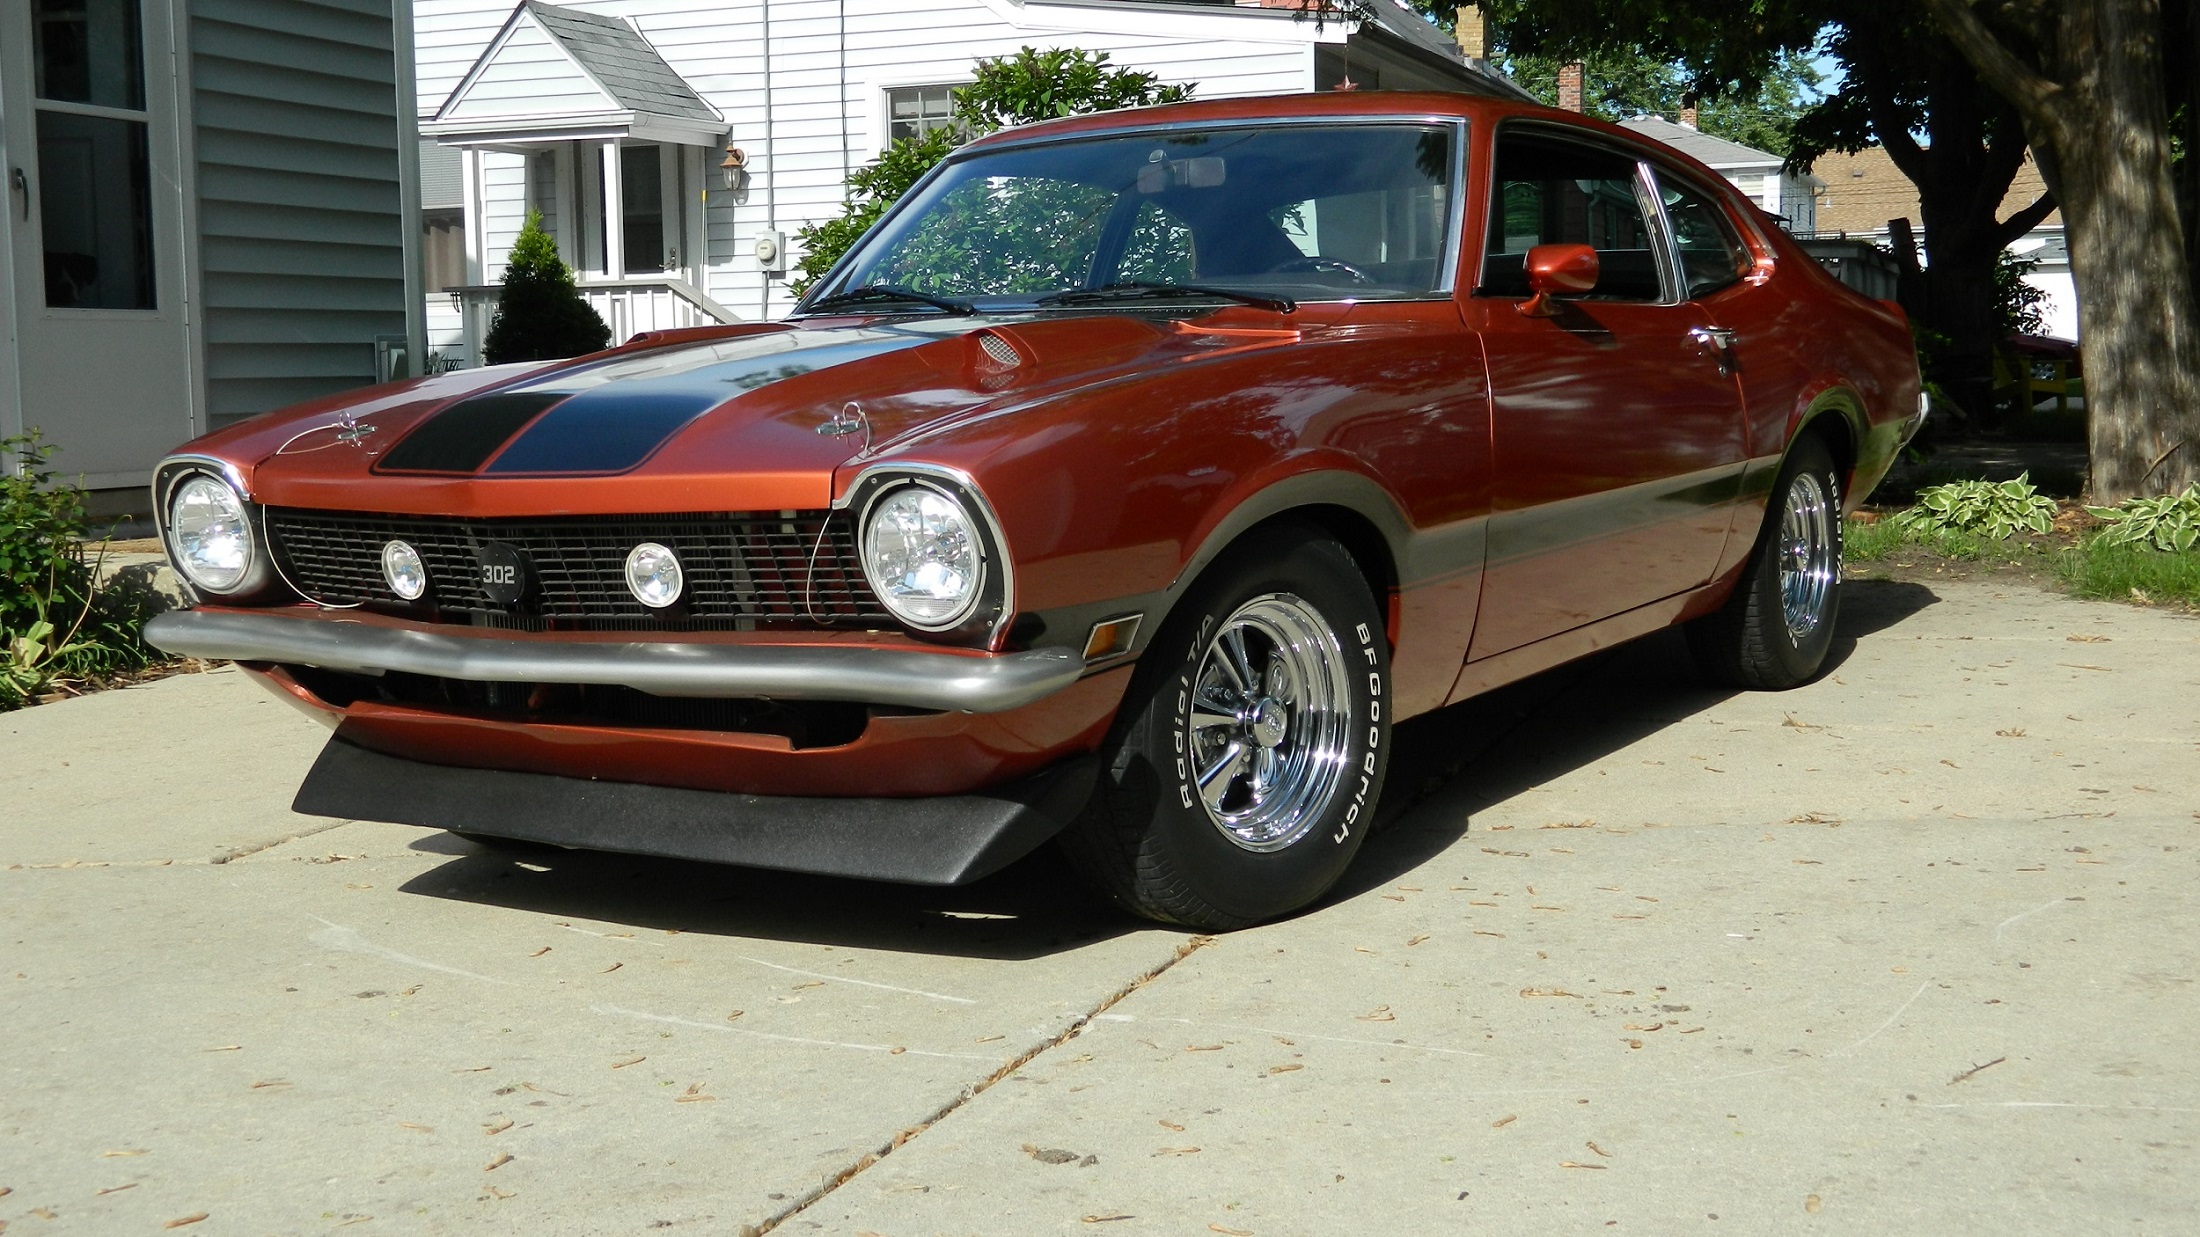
column 911, row 678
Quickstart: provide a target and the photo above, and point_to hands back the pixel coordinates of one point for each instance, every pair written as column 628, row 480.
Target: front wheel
column 1776, row 629
column 1246, row 764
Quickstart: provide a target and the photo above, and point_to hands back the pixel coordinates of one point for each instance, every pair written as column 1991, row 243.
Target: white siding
column 531, row 76
column 829, row 66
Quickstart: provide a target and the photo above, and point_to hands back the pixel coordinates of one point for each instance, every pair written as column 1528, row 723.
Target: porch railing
column 628, row 306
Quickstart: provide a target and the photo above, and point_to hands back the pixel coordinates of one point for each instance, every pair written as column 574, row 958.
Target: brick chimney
column 1688, row 112
column 1569, row 87
column 1473, row 32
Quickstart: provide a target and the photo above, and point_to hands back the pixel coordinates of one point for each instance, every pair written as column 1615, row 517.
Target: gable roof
column 554, row 72
column 1712, row 151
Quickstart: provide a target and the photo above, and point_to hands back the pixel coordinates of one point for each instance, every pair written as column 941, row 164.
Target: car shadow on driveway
column 1445, row 767
column 1448, row 765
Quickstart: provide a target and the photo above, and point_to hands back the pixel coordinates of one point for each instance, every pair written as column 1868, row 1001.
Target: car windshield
column 1275, row 213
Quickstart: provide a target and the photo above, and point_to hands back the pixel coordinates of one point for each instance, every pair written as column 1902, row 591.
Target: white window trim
column 876, row 112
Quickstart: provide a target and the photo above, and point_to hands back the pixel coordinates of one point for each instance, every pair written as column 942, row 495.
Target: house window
column 442, row 248
column 913, row 111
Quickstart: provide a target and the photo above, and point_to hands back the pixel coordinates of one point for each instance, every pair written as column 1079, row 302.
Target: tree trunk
column 2094, row 98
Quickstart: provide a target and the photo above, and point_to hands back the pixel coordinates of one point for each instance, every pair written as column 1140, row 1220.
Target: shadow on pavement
column 1445, row 767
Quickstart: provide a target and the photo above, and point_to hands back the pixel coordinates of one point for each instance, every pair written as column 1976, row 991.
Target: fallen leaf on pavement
column 1416, row 940
column 1498, row 935
column 1528, row 992
column 1049, row 1155
column 1571, row 1164
column 1202, row 1047
column 116, row 1155
column 501, row 1195
column 613, row 967
column 544, row 1090
column 540, row 952
column 117, row 1189
column 503, row 1158
column 1633, row 1043
column 1362, row 949
column 1504, row 1121
column 735, row 1014
column 1107, row 1219
column 1380, row 1013
column 1599, row 1150
column 180, row 1221
column 224, row 1048
column 1177, row 1151
column 474, row 1069
column 1636, row 1026
column 627, row 1062
column 2084, row 639
column 1811, row 1203
column 265, row 1083
column 1393, row 897
column 1284, row 1069
column 494, row 1128
column 694, row 1095
column 416, row 1127
column 1509, row 854
column 1231, row 1232
column 1976, row 1070
column 987, row 1039
column 1171, row 1125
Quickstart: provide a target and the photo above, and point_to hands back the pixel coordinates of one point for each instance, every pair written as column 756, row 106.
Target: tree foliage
column 1622, row 83
column 540, row 313
column 1029, row 86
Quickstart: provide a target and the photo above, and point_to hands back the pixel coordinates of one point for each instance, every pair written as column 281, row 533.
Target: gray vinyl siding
column 296, row 135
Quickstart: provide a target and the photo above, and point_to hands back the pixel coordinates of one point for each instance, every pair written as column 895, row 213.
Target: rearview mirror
column 1556, row 269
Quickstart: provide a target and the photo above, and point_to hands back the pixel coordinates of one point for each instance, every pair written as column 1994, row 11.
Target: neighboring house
column 1865, row 190
column 211, row 212
column 1790, row 196
column 616, row 119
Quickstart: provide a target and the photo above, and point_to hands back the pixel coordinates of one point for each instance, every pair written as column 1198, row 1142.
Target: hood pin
column 849, row 420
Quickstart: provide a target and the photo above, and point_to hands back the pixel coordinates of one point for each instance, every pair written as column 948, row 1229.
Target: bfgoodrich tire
column 1774, row 632
column 1245, row 766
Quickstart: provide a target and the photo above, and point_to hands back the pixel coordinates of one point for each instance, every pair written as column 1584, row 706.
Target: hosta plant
column 1994, row 509
column 2170, row 522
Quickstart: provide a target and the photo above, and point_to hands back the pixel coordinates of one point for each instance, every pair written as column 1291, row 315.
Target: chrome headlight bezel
column 172, row 479
column 960, row 512
column 984, row 619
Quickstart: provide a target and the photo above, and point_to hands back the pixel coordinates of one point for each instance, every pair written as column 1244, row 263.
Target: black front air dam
column 942, row 840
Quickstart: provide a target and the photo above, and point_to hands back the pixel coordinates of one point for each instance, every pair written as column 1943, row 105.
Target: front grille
column 744, row 571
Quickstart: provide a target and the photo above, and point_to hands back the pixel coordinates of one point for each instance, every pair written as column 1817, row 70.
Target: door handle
column 21, row 184
column 1719, row 342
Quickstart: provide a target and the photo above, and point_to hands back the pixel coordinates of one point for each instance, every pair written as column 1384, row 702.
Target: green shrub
column 540, row 314
column 2131, row 571
column 2169, row 523
column 1994, row 510
column 54, row 622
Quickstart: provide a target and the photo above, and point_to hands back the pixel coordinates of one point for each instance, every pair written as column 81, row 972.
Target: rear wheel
column 1776, row 629
column 1249, row 754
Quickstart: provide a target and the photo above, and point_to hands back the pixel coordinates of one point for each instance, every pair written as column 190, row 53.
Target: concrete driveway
column 1909, row 950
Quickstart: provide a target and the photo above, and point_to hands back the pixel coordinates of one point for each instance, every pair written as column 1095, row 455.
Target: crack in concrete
column 971, row 1092
column 254, row 848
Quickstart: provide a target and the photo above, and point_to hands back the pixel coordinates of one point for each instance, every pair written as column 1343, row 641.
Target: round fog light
column 653, row 575
column 401, row 566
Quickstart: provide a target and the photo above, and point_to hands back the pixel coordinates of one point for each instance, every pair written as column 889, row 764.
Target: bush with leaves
column 1029, row 86
column 54, row 621
column 1992, row 509
column 2170, row 523
column 540, row 313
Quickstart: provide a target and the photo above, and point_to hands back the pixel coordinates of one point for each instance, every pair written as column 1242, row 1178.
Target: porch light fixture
column 734, row 168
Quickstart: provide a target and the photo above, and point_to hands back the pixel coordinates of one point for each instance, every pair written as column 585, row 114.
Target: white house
column 1791, row 196
column 615, row 119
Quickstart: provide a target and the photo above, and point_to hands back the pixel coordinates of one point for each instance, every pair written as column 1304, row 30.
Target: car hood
column 755, row 418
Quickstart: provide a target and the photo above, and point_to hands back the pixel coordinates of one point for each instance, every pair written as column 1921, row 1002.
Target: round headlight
column 921, row 555
column 653, row 575
column 211, row 534
column 401, row 566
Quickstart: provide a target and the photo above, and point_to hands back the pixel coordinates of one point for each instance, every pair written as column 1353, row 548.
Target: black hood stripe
column 606, row 430
column 462, row 437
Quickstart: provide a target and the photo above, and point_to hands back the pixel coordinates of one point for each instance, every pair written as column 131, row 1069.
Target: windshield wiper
column 874, row 292
column 1143, row 290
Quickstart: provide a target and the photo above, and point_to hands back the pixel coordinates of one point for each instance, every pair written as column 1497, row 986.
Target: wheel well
column 1831, row 426
column 1359, row 537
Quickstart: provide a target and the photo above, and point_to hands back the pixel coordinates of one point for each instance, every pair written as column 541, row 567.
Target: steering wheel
column 1339, row 265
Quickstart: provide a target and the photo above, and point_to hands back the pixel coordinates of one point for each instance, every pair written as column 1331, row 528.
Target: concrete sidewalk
column 1909, row 950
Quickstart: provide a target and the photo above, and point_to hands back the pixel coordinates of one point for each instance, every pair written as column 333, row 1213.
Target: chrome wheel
column 1269, row 722
column 1809, row 555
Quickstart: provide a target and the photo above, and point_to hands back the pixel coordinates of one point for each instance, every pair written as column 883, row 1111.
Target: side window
column 1712, row 255
column 1159, row 249
column 1551, row 192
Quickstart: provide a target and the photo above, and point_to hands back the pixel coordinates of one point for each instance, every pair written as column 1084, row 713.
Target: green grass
column 1875, row 542
column 2130, row 573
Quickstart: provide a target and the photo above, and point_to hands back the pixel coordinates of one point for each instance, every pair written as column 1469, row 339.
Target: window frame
column 887, row 91
column 1661, row 171
column 1671, row 279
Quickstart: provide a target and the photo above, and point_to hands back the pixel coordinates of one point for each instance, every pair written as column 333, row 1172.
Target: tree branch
column 2008, row 230
column 2034, row 94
